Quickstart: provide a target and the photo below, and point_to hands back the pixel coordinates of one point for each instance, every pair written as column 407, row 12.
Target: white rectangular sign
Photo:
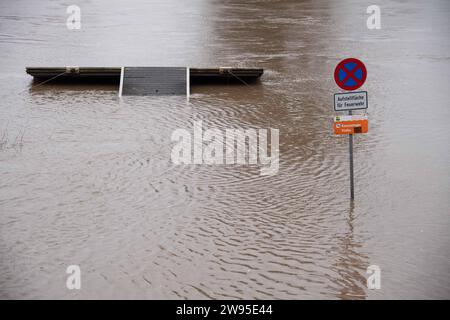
column 355, row 117
column 350, row 101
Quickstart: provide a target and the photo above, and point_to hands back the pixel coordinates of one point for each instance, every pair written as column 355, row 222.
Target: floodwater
column 86, row 178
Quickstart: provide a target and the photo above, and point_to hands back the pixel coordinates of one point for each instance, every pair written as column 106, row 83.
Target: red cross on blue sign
column 350, row 74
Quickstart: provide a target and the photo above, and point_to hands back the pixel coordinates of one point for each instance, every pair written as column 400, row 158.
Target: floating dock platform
column 146, row 80
column 113, row 73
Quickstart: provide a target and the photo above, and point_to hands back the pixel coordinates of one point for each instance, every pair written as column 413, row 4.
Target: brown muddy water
column 87, row 178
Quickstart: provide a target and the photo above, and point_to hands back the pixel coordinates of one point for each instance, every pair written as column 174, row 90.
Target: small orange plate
column 351, row 127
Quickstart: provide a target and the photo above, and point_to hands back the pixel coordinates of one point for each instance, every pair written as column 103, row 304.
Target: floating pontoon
column 113, row 73
column 146, row 80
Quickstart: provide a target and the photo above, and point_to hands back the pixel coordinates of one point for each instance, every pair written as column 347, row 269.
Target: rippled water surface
column 87, row 179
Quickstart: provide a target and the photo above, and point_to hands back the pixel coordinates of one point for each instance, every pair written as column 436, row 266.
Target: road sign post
column 350, row 74
column 350, row 151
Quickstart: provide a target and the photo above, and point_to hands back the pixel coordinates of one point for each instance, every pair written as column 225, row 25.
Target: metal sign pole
column 350, row 74
column 350, row 150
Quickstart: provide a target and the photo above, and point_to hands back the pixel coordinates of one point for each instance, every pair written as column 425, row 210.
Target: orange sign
column 350, row 125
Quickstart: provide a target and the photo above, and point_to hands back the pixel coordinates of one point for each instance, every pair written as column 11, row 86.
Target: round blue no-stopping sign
column 350, row 74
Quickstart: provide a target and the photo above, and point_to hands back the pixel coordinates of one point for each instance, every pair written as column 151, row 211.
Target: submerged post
column 188, row 83
column 122, row 70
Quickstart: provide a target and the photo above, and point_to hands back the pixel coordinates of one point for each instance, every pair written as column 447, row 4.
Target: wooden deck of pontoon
column 113, row 73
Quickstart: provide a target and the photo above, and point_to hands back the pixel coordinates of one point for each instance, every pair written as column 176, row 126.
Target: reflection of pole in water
column 351, row 264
